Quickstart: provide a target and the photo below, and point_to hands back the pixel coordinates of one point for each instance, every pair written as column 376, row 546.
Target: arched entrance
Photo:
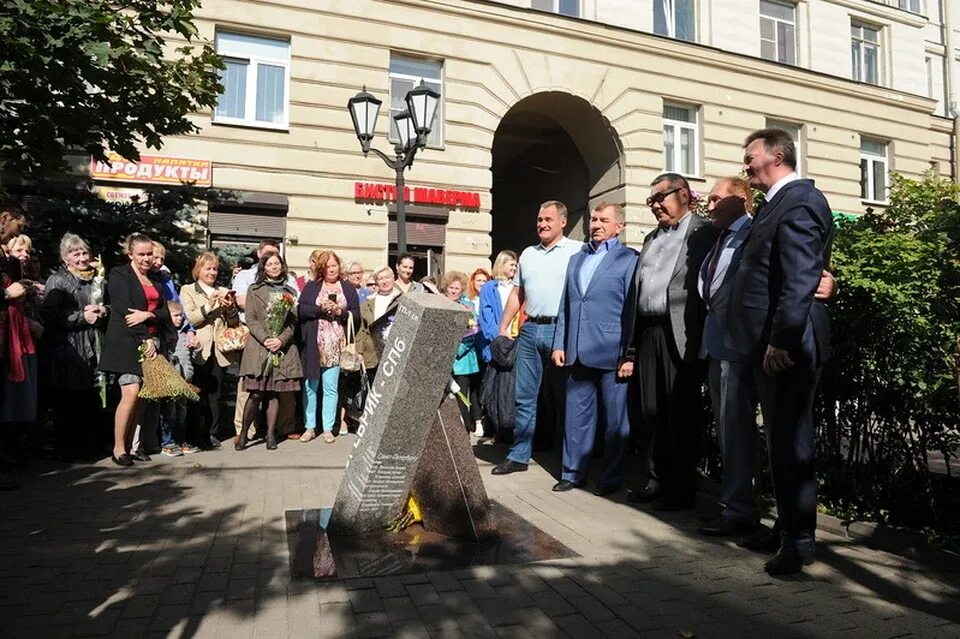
column 551, row 146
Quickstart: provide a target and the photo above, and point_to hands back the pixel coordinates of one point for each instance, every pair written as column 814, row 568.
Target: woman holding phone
column 325, row 307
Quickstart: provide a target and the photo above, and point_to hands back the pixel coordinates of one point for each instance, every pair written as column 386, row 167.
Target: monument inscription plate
column 399, row 412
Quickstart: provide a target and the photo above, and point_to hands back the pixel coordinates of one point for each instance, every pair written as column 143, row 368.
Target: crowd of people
column 734, row 299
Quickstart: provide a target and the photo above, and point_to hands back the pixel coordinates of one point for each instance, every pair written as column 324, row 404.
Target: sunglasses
column 658, row 198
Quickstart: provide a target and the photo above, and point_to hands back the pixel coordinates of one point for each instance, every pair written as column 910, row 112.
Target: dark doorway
column 551, row 146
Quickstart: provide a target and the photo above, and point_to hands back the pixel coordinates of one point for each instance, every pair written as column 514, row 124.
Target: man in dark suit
column 593, row 340
column 668, row 328
column 775, row 322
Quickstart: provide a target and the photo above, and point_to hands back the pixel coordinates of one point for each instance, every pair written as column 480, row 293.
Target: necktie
column 712, row 263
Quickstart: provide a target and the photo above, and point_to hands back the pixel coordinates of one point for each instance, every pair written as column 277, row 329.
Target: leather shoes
column 787, row 561
column 122, row 460
column 766, row 542
column 564, row 485
column 508, row 466
column 214, row 442
column 603, row 491
column 140, row 456
column 670, row 503
column 646, row 495
column 726, row 526
column 271, row 443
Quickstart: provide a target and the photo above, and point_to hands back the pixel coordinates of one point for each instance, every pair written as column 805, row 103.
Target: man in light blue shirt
column 541, row 277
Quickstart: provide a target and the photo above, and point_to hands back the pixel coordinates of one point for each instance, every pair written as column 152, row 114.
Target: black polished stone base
column 314, row 555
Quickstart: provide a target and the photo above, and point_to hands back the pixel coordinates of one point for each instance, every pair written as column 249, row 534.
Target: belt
column 541, row 320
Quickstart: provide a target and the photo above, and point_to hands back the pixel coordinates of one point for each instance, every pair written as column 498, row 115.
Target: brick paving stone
column 514, row 594
column 410, row 629
column 514, row 632
column 552, row 603
column 423, row 594
column 362, row 583
column 365, row 600
column 332, row 592
column 616, row 629
column 444, row 581
column 591, row 608
column 478, row 590
column 167, row 617
column 373, row 624
column 576, row 626
column 415, row 578
column 400, row 609
column 241, row 589
column 390, row 587
column 140, row 606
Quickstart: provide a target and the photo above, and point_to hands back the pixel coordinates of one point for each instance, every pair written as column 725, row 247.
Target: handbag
column 356, row 386
column 231, row 338
column 350, row 359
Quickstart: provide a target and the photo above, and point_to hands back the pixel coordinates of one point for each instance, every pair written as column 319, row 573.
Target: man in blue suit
column 776, row 324
column 593, row 340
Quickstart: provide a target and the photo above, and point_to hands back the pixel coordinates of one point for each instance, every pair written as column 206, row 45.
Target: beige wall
column 493, row 57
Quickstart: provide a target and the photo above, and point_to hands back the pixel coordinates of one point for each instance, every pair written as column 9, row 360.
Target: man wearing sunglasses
column 669, row 326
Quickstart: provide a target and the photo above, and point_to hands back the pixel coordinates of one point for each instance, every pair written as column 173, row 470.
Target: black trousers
column 78, row 424
column 209, row 378
column 786, row 400
column 469, row 388
column 670, row 410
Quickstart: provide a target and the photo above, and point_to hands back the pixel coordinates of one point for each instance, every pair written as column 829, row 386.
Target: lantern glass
column 422, row 103
column 405, row 131
column 364, row 109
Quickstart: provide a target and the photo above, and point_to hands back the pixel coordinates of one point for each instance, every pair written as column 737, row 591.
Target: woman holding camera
column 210, row 309
column 325, row 307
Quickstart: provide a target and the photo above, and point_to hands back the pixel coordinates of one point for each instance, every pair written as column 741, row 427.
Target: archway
column 551, row 146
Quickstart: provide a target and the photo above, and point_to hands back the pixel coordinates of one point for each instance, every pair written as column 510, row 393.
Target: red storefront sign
column 153, row 169
column 374, row 192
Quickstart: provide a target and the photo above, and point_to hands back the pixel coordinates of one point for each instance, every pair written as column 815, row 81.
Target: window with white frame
column 405, row 74
column 796, row 132
column 681, row 135
column 865, row 49
column 873, row 170
column 675, row 18
column 778, row 31
column 563, row 7
column 255, row 80
column 910, row 5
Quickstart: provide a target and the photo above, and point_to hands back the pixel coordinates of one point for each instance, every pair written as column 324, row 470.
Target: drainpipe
column 949, row 16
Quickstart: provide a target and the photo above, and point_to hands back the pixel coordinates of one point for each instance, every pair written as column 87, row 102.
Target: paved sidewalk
column 195, row 547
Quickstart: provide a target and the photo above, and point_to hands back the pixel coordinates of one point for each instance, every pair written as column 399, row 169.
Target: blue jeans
column 173, row 419
column 534, row 346
column 329, row 381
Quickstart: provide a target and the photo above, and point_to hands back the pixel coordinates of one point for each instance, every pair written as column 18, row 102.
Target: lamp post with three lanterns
column 413, row 126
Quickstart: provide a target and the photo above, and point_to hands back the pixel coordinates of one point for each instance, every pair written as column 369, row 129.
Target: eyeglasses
column 658, row 198
column 371, row 283
column 354, row 272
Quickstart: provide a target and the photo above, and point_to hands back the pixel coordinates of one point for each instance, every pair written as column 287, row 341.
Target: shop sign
column 119, row 194
column 379, row 193
column 153, row 169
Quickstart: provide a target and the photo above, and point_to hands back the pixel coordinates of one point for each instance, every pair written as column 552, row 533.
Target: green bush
column 891, row 392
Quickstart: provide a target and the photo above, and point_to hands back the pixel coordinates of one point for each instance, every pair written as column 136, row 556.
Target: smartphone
column 332, row 297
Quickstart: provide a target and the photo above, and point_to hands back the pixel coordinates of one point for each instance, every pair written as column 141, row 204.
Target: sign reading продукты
column 153, row 169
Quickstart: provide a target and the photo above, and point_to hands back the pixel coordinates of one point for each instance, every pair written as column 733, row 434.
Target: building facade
column 577, row 100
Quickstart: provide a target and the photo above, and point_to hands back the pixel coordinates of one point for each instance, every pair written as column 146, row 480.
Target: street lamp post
column 413, row 127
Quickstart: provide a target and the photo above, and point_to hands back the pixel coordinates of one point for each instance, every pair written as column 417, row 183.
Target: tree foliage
column 891, row 393
column 96, row 75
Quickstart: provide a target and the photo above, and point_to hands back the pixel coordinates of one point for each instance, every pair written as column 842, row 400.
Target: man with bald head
column 669, row 325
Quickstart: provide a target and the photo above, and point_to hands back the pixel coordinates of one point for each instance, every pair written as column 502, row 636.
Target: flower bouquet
column 277, row 309
column 96, row 297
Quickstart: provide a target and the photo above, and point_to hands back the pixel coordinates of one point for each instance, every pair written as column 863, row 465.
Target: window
column 928, row 62
column 778, row 32
column 405, row 74
column 563, row 7
column 795, row 131
column 865, row 47
column 910, row 5
column 873, row 170
column 674, row 18
column 254, row 81
column 680, row 139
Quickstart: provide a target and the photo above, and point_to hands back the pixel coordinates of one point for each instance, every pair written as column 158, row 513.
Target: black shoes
column 767, row 541
column 122, row 460
column 564, row 485
column 139, row 456
column 726, row 527
column 271, row 442
column 646, row 495
column 672, row 503
column 508, row 466
column 214, row 442
column 787, row 561
column 603, row 491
